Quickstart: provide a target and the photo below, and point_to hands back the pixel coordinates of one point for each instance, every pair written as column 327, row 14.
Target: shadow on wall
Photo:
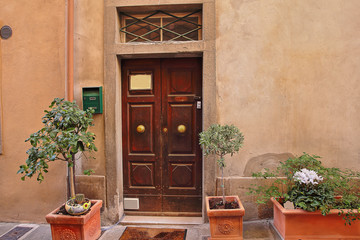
column 258, row 164
column 270, row 161
column 240, row 185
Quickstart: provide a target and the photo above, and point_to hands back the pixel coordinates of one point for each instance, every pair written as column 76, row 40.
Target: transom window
column 160, row 25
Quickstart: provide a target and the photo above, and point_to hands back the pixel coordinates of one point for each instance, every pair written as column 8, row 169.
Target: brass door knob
column 140, row 128
column 181, row 128
column 165, row 130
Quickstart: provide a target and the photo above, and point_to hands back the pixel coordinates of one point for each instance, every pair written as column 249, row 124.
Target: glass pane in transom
column 139, row 30
column 186, row 29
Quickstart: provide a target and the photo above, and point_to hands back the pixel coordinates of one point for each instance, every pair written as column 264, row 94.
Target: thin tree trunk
column 72, row 179
column 72, row 185
column 222, row 185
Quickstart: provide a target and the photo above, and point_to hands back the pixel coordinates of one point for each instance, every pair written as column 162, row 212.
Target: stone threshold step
column 156, row 220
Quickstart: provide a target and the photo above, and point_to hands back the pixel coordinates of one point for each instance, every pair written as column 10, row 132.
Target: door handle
column 165, row 130
column 181, row 128
column 140, row 128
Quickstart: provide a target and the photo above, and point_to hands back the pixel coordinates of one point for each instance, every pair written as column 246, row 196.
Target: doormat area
column 18, row 232
column 139, row 233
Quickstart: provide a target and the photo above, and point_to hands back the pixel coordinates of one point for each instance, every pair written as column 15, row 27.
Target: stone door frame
column 115, row 51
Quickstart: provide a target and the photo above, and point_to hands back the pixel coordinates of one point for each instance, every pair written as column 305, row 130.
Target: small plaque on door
column 140, row 82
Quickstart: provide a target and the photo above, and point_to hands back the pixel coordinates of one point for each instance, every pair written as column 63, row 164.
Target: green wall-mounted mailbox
column 92, row 98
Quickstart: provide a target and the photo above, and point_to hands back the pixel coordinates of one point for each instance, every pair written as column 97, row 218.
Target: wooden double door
column 162, row 119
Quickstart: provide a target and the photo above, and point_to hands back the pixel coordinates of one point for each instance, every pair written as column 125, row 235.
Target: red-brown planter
column 83, row 227
column 226, row 223
column 299, row 224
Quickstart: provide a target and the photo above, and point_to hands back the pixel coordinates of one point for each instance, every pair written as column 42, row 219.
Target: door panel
column 142, row 174
column 161, row 123
column 180, row 81
column 141, row 121
column 182, row 175
column 181, row 128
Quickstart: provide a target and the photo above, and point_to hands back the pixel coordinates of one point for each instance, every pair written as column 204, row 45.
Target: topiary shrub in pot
column 311, row 201
column 225, row 213
column 64, row 135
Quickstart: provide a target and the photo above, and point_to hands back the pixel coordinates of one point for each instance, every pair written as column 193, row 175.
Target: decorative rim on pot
column 77, row 209
column 230, row 212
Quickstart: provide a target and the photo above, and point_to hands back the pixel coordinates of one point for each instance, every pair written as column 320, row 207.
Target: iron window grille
column 161, row 26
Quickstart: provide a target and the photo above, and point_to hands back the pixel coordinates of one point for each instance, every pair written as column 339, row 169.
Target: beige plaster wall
column 89, row 68
column 33, row 73
column 89, row 72
column 287, row 76
column 1, row 149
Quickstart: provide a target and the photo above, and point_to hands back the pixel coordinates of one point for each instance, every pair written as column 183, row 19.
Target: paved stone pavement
column 254, row 230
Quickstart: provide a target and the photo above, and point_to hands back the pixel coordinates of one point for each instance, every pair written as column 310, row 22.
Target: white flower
column 307, row 176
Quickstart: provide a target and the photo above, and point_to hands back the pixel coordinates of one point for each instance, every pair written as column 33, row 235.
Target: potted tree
column 311, row 201
column 225, row 213
column 64, row 135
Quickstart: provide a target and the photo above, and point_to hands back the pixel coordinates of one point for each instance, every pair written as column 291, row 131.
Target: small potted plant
column 311, row 201
column 64, row 135
column 225, row 213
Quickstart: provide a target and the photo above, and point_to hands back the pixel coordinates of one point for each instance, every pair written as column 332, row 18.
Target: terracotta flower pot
column 83, row 227
column 226, row 223
column 297, row 224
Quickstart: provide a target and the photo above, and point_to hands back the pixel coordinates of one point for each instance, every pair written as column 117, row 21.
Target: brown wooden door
column 161, row 114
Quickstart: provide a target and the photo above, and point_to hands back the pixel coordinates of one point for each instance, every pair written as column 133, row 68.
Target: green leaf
column 40, row 177
column 88, row 172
